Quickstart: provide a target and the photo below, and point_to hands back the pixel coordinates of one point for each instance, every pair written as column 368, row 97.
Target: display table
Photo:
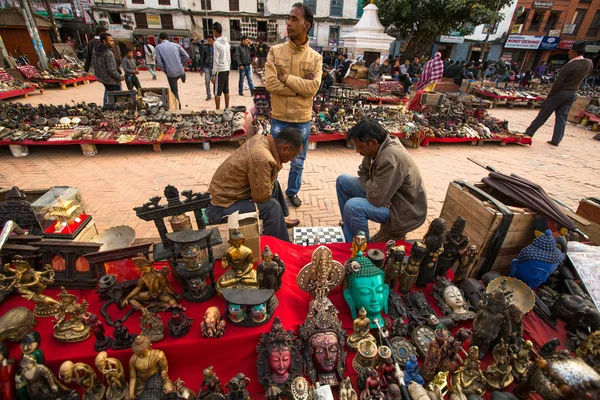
column 474, row 141
column 236, row 350
column 510, row 101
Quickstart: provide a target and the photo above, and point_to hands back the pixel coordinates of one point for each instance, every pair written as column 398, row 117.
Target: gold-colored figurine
column 152, row 289
column 83, row 375
column 151, row 325
column 240, row 259
column 30, row 284
column 39, row 383
column 112, row 370
column 359, row 244
column 147, row 367
column 362, row 327
column 70, row 325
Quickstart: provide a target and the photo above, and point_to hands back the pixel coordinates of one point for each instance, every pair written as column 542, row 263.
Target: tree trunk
column 420, row 44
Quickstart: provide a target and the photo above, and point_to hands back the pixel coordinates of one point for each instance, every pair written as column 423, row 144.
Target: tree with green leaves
column 421, row 21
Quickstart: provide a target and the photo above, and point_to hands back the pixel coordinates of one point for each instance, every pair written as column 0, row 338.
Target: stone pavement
column 122, row 177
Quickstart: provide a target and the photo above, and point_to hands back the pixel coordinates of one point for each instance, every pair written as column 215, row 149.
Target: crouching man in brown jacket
column 388, row 189
column 247, row 179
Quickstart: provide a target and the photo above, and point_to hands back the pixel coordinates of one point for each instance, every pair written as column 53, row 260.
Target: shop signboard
column 87, row 12
column 111, row 3
column 452, row 39
column 549, row 43
column 566, row 44
column 59, row 10
column 554, row 32
column 119, row 32
column 592, row 48
column 516, row 29
column 523, row 42
column 153, row 21
column 542, row 5
column 568, row 29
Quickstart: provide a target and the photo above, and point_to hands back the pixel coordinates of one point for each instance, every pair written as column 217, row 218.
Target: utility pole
column 34, row 33
column 52, row 21
column 487, row 36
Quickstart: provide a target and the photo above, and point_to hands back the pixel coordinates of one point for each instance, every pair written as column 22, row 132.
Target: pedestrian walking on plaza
column 293, row 77
column 129, row 66
column 388, row 189
column 206, row 63
column 150, row 54
column 244, row 59
column 170, row 58
column 105, row 65
column 433, row 71
column 91, row 46
column 262, row 50
column 563, row 93
column 220, row 65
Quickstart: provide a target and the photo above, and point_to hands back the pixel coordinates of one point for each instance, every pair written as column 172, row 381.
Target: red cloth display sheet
column 236, row 350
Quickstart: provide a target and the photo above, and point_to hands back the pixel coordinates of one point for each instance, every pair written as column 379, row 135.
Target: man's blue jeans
column 297, row 164
column 355, row 208
column 246, row 72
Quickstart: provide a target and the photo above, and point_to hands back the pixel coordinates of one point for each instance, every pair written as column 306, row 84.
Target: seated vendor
column 247, row 179
column 388, row 189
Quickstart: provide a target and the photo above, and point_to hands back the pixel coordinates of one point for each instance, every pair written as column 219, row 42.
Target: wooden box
column 165, row 93
column 432, row 99
column 589, row 219
column 483, row 221
column 580, row 105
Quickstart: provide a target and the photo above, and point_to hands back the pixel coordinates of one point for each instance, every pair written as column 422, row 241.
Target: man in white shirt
column 221, row 65
column 150, row 54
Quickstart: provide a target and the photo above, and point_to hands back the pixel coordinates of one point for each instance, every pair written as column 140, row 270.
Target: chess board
column 315, row 235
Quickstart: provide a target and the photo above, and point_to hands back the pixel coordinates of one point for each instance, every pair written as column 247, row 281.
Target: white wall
column 503, row 27
column 181, row 21
column 154, row 4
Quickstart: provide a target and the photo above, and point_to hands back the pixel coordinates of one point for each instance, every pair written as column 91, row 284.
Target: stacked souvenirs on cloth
column 8, row 83
column 61, row 70
column 400, row 348
column 120, row 122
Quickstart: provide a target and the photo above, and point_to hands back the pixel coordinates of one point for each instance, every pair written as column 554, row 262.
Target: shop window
column 207, row 27
column 585, row 1
column 520, row 20
column 334, row 35
column 82, row 264
column 137, row 1
column 205, row 5
column 260, row 5
column 166, row 21
column 164, row 2
column 58, row 263
column 312, row 4
column 536, row 21
column 552, row 20
column 235, row 30
column 594, row 26
column 576, row 20
column 234, row 5
column 115, row 18
column 141, row 21
column 336, row 8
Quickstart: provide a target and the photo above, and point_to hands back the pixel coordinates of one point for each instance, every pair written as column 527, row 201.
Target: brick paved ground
column 122, row 177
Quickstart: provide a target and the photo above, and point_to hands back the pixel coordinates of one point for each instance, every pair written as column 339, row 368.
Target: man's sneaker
column 295, row 200
column 241, row 94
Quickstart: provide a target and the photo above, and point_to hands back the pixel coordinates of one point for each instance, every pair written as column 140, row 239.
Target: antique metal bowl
column 516, row 291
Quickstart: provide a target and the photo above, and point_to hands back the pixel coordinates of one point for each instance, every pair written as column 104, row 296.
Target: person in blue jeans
column 244, row 60
column 388, row 189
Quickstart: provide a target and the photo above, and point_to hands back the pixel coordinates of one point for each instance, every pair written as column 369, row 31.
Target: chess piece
column 122, row 338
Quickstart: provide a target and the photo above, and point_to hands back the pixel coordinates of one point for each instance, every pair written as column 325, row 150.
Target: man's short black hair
column 244, row 37
column 217, row 28
column 104, row 36
column 308, row 13
column 100, row 30
column 290, row 135
column 366, row 130
column 163, row 36
column 127, row 50
column 579, row 47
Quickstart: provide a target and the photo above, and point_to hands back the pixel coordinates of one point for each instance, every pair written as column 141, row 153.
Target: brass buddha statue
column 362, row 328
column 153, row 287
column 240, row 260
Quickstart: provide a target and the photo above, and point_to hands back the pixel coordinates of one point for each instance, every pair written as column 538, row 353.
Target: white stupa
column 368, row 34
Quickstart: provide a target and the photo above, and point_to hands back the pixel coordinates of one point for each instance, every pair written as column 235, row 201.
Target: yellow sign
column 153, row 21
column 517, row 28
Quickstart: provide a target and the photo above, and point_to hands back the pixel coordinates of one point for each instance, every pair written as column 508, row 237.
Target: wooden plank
column 589, row 210
column 474, row 229
column 518, row 239
column 522, row 222
column 470, row 202
column 502, row 264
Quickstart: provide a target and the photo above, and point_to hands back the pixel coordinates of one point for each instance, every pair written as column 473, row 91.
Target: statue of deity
column 103, row 342
column 112, row 370
column 39, row 383
column 465, row 261
column 240, row 260
column 372, row 389
column 451, row 301
column 522, row 362
column 83, row 375
column 537, row 261
column 148, row 369
column 469, row 379
column 151, row 326
column 359, row 244
column 393, row 263
column 411, row 270
column 153, row 288
column 499, row 373
column 437, row 355
column 323, row 347
column 70, row 324
column 488, row 322
column 411, row 371
column 367, row 289
column 455, row 242
column 211, row 384
column 434, row 242
column 279, row 358
column 269, row 274
column 362, row 327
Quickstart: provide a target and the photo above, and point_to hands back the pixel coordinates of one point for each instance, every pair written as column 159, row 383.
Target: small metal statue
column 153, row 289
column 388, row 374
column 148, row 369
column 122, row 338
column 434, row 241
column 399, row 328
column 411, row 270
column 359, row 244
column 465, row 262
column 420, row 309
column 347, row 392
column 372, row 388
column 212, row 326
column 437, row 355
column 103, row 342
column 16, row 323
column 455, row 243
column 112, row 370
column 499, row 374
column 151, row 325
column 240, row 259
column 237, row 387
column 411, row 371
column 30, row 284
column 451, row 300
column 469, row 379
column 70, row 323
column 38, row 382
column 182, row 391
column 83, row 375
column 436, row 387
column 210, row 384
column 269, row 272
column 589, row 350
column 179, row 324
column 362, row 327
column 522, row 362
column 487, row 324
column 393, row 263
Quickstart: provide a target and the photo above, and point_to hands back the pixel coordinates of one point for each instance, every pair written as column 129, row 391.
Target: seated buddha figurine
column 148, row 370
column 367, row 289
column 240, row 259
column 153, row 287
column 362, row 327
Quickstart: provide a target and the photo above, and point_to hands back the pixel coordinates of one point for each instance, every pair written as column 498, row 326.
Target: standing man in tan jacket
column 293, row 73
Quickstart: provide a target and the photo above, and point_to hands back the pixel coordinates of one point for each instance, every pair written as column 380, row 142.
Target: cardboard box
column 251, row 227
column 580, row 105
